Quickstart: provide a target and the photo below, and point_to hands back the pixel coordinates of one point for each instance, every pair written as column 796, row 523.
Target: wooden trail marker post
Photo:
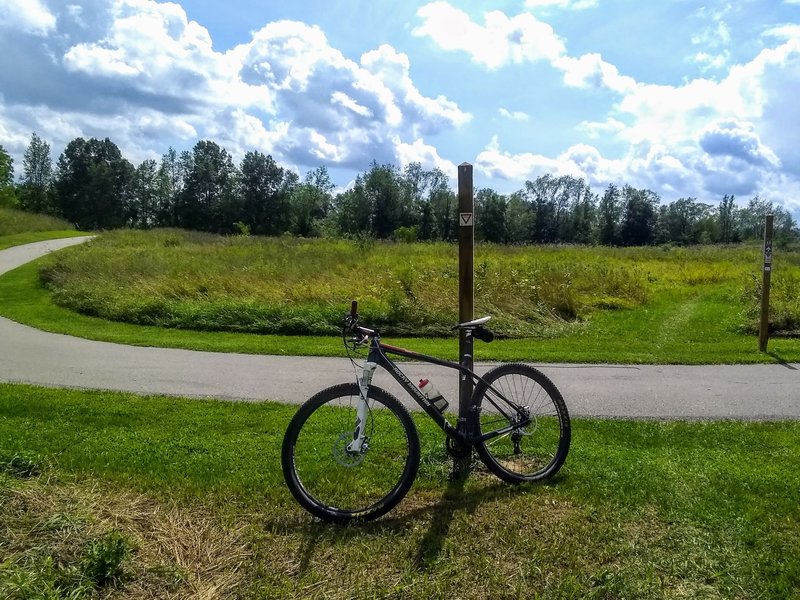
column 466, row 298
column 763, row 330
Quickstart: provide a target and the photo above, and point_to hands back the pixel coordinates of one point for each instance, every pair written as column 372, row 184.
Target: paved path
column 33, row 356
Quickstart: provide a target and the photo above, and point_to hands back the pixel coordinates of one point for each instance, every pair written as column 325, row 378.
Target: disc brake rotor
column 343, row 456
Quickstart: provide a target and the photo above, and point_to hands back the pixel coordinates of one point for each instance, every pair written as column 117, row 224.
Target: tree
column 353, row 210
column 171, row 178
column 609, row 212
column 311, row 202
column 382, row 189
column 266, row 189
column 143, row 204
column 490, row 216
column 205, row 200
column 580, row 225
column 7, row 195
column 92, row 184
column 726, row 220
column 639, row 216
column 519, row 219
column 444, row 206
column 36, row 193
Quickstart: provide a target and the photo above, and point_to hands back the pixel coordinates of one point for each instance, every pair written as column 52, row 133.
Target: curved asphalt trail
column 645, row 391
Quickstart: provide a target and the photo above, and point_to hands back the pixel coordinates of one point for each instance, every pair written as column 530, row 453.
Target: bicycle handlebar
column 351, row 323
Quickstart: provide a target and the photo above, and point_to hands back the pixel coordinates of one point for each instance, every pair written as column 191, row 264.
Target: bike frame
column 377, row 357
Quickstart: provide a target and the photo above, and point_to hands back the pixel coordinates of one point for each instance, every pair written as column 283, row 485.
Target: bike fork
column 362, row 408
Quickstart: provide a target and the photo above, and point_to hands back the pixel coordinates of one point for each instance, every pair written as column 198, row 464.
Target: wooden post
column 466, row 243
column 763, row 331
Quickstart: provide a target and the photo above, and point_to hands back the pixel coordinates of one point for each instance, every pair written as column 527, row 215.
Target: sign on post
column 466, row 243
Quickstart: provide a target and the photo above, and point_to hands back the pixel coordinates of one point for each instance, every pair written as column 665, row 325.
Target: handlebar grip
column 354, row 309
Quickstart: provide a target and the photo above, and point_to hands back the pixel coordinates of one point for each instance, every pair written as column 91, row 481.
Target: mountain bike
column 352, row 451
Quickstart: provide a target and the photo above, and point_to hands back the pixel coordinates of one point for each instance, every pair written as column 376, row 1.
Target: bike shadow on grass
column 462, row 495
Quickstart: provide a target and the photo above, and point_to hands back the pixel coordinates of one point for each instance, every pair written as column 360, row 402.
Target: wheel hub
column 345, row 457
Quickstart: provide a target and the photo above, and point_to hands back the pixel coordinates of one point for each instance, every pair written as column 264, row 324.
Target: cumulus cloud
column 516, row 115
column 504, row 40
column 148, row 76
column 497, row 164
column 738, row 140
column 499, row 41
column 562, row 4
column 425, row 154
column 30, row 16
column 591, row 71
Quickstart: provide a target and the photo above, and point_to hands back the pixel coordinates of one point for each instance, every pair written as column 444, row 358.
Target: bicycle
column 352, row 451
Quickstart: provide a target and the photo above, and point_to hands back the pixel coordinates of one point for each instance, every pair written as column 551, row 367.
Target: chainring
column 457, row 449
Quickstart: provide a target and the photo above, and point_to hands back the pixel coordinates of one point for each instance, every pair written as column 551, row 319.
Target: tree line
column 94, row 186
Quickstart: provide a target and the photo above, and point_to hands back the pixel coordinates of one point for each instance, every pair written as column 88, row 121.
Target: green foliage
column 19, row 466
column 92, row 185
column 8, row 196
column 105, row 559
column 203, row 190
column 36, row 193
column 407, row 235
column 784, row 302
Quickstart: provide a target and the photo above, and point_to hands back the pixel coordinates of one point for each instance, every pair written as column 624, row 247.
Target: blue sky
column 689, row 99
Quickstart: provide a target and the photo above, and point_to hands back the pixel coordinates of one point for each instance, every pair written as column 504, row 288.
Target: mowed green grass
column 576, row 304
column 642, row 509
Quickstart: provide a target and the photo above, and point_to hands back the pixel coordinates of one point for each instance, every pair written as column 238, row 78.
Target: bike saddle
column 472, row 324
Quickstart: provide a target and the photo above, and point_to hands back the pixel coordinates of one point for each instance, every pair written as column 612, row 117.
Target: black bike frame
column 377, row 355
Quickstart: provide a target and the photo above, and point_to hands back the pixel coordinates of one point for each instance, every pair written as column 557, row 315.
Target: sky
column 686, row 98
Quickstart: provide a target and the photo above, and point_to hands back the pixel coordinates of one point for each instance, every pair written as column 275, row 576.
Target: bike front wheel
column 332, row 480
column 530, row 420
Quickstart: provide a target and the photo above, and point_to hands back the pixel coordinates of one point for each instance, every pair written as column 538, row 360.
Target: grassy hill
column 14, row 221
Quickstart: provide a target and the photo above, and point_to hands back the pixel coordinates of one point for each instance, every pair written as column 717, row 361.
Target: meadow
column 14, row 221
column 654, row 304
column 108, row 494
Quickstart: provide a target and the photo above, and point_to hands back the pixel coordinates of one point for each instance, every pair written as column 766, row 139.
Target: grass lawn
column 151, row 496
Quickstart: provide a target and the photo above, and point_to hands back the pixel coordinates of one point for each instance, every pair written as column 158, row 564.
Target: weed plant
column 189, row 280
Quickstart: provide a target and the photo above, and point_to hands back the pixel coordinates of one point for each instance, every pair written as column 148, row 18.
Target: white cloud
column 432, row 114
column 562, row 4
column 591, row 71
column 30, row 16
column 155, row 49
column 504, row 40
column 149, row 76
column 596, row 129
column 497, row 164
column 787, row 31
column 425, row 154
column 516, row 115
column 733, row 138
column 501, row 40
column 344, row 100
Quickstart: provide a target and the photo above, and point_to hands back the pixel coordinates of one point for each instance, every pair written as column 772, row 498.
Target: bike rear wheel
column 336, row 484
column 508, row 396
